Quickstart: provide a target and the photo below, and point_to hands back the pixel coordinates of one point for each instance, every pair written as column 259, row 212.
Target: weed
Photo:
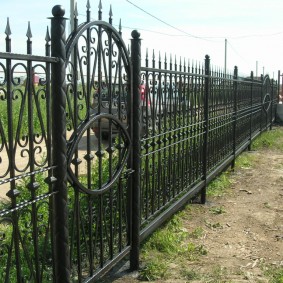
column 153, row 270
column 189, row 274
column 197, row 233
column 220, row 185
column 213, row 225
column 275, row 274
column 244, row 161
column 217, row 210
column 271, row 139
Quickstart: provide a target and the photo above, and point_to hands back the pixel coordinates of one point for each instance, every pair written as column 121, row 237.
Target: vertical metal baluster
column 251, row 111
column 13, row 193
column 170, row 138
column 235, row 113
column 147, row 105
column 272, row 104
column 33, row 185
column 50, row 179
column 153, row 113
column 77, row 161
column 100, row 153
column 122, row 93
column 111, row 93
column 206, row 124
column 159, row 141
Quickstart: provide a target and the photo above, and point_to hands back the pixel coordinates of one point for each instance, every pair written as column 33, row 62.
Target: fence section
column 98, row 149
column 26, row 168
column 196, row 120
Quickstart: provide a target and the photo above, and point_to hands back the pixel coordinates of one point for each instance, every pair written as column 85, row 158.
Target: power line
column 207, row 38
column 173, row 27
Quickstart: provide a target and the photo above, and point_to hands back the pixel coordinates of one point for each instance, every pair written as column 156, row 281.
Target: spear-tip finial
column 100, row 5
column 120, row 25
column 8, row 29
column 76, row 13
column 110, row 12
column 87, row 5
column 29, row 34
column 47, row 36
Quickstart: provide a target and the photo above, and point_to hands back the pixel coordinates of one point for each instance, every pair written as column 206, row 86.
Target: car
column 109, row 101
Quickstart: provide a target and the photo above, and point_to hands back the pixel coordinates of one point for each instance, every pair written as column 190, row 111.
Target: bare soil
column 242, row 230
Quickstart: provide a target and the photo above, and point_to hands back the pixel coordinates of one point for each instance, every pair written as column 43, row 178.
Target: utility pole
column 225, row 58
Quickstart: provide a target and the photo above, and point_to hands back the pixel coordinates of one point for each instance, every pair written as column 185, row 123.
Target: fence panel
column 26, row 171
column 119, row 147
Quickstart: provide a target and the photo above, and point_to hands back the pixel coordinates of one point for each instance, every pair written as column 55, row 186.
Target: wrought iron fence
column 103, row 148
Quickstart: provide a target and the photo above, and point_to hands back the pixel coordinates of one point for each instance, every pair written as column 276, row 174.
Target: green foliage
column 270, row 139
column 244, row 161
column 189, row 274
column 217, row 210
column 21, row 111
column 154, row 270
column 196, row 234
column 219, row 186
column 275, row 274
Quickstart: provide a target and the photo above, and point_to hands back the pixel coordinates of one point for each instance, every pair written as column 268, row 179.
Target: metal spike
column 76, row 13
column 8, row 29
column 159, row 56
column 120, row 26
column 110, row 12
column 100, row 11
column 153, row 54
column 171, row 58
column 29, row 34
column 146, row 53
column 47, row 37
column 87, row 5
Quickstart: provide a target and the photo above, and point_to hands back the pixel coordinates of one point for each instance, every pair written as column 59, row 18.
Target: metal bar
column 205, row 125
column 235, row 109
column 28, row 57
column 61, row 232
column 136, row 79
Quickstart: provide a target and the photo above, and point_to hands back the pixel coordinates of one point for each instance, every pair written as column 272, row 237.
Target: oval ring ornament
column 266, row 102
column 124, row 154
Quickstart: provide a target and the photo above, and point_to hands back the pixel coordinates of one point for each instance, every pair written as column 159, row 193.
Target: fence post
column 136, row 112
column 206, row 123
column 261, row 104
column 271, row 105
column 235, row 87
column 251, row 111
column 60, row 220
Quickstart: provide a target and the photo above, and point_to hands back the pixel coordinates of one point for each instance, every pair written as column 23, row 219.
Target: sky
column 187, row 29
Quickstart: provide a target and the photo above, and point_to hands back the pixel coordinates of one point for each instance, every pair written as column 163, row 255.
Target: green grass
column 271, row 139
column 275, row 274
column 220, row 185
column 173, row 243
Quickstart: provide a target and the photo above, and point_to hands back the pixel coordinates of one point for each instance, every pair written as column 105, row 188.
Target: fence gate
column 98, row 147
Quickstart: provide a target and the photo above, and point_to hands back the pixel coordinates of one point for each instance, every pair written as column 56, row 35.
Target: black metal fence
column 103, row 148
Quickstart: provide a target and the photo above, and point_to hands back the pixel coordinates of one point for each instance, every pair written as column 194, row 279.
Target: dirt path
column 243, row 230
